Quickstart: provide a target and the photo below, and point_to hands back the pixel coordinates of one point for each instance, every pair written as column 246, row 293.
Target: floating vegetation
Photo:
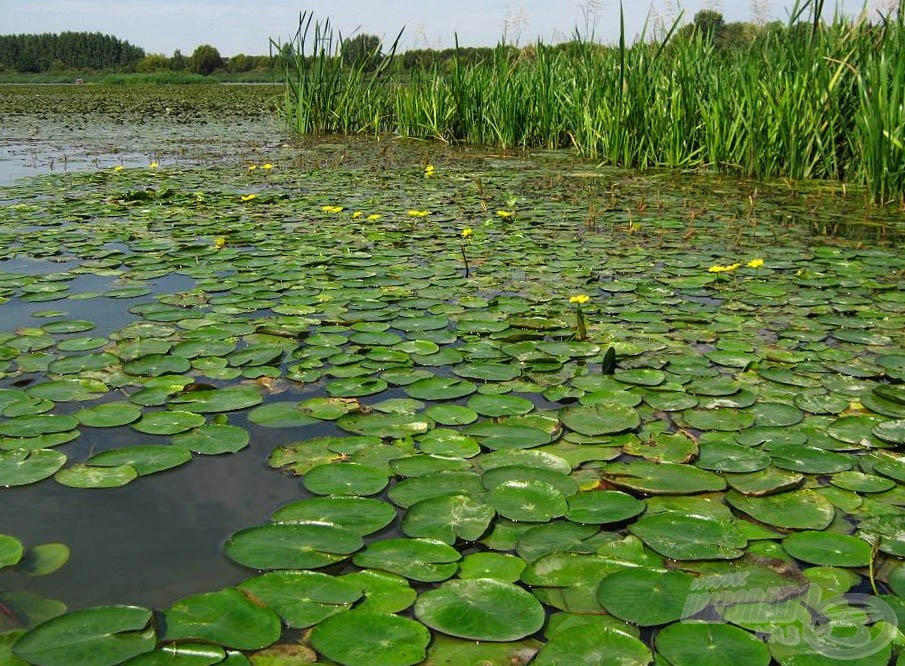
column 582, row 431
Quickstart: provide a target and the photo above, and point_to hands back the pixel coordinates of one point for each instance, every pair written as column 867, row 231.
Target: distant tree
column 240, row 63
column 709, row 22
column 205, row 59
column 153, row 62
column 67, row 50
column 362, row 50
column 178, row 62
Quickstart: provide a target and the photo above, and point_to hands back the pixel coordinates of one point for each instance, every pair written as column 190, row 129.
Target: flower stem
column 465, row 259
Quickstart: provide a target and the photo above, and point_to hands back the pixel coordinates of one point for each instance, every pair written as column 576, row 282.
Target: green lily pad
column 42, row 559
column 355, row 387
column 726, row 457
column 704, row 644
column 70, row 365
column 579, row 647
column 409, row 491
column 34, row 425
column 183, row 654
column 828, row 549
column 384, row 592
column 228, row 399
column 447, row 517
column 498, row 566
column 385, row 425
column 690, row 537
column 720, row 419
column 528, row 501
column 891, row 432
column 360, row 515
column 228, row 618
column 154, row 365
column 108, row 415
column 91, row 476
column 145, row 460
column 481, row 609
column 347, row 478
column 600, row 419
column 362, row 638
column 765, row 482
column 423, row 560
column 168, row 422
column 303, row 598
column 603, row 507
column 302, row 545
column 212, row 439
column 798, row 509
column 97, row 636
column 440, row 388
column 645, row 597
column 282, row 415
column 19, row 467
column 662, row 478
column 507, row 435
column 11, row 551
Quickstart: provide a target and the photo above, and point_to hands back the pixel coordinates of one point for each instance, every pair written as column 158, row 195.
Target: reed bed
column 811, row 100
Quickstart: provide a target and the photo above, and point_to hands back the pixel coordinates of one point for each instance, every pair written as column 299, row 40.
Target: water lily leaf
column 362, row 638
column 720, row 419
column 528, row 501
column 146, row 460
column 90, row 476
column 97, row 636
column 34, row 425
column 182, row 654
column 303, row 598
column 108, row 415
column 690, row 537
column 662, row 478
column 507, row 435
column 663, row 447
column 384, row 592
column 423, row 560
column 42, row 559
column 346, row 478
column 765, row 482
column 828, row 549
column 19, row 467
column 360, row 515
column 498, row 566
column 154, row 365
column 355, row 387
column 409, row 491
column 380, row 425
column 860, row 482
column 798, row 509
column 494, row 476
column 448, row 650
column 11, row 550
column 603, row 507
column 891, row 432
column 440, row 388
column 705, row 644
column 302, row 545
column 581, row 647
column 212, row 439
column 726, row 457
column 645, row 597
column 808, row 459
column 670, row 401
column 886, row 531
column 447, row 517
column 228, row 399
column 168, row 422
column 228, row 618
column 70, row 365
column 69, row 390
column 282, row 415
column 600, row 419
column 495, row 406
column 450, row 415
column 481, row 609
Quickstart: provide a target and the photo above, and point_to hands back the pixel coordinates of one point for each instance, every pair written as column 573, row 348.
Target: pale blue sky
column 245, row 26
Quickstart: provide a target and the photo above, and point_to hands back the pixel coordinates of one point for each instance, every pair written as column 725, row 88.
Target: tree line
column 84, row 51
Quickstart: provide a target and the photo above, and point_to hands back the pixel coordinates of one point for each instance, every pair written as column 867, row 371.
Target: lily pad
column 19, row 467
column 481, row 609
column 213, row 439
column 347, row 478
column 579, row 647
column 798, row 509
column 690, row 537
column 645, row 597
column 228, row 399
column 828, row 549
column 662, row 478
column 144, row 459
column 91, row 476
column 168, row 422
column 600, row 419
column 108, row 415
column 303, row 598
column 447, row 517
column 303, row 545
column 704, row 644
column 423, row 560
column 603, row 507
column 362, row 638
column 360, row 515
column 528, row 501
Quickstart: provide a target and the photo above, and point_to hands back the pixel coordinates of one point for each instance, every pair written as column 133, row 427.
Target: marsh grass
column 810, row 100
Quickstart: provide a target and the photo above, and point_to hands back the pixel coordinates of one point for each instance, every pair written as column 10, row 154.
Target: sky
column 247, row 26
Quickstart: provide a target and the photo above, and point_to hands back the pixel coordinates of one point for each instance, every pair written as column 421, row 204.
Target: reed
column 811, row 100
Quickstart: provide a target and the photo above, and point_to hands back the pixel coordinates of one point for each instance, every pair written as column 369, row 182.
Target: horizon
column 233, row 27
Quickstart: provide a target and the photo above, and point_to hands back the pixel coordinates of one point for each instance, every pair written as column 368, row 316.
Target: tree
column 362, row 50
column 153, row 62
column 709, row 23
column 205, row 59
column 178, row 62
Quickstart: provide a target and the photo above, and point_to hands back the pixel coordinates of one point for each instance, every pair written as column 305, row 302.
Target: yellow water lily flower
column 418, row 213
column 723, row 269
column 755, row 263
column 252, row 167
column 505, row 213
column 580, row 299
column 267, row 167
column 249, row 197
column 467, row 232
column 153, row 165
column 118, row 167
column 374, row 216
column 219, row 242
column 357, row 214
column 429, row 171
column 332, row 209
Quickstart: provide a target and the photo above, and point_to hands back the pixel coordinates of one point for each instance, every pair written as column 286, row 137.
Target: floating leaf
column 528, row 501
column 303, row 598
column 645, row 597
column 346, row 478
column 361, row 638
column 691, row 537
column 423, row 560
column 447, row 517
column 662, row 478
column 703, row 644
column 360, row 515
column 90, row 476
column 828, row 549
column 20, row 467
column 600, row 419
column 300, row 545
column 798, row 509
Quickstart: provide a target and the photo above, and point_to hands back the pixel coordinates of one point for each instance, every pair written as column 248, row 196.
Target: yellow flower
column 332, row 209
column 219, row 242
column 357, row 214
column 580, row 299
column 373, row 216
column 249, row 197
column 153, row 165
column 505, row 213
column 723, row 269
column 429, row 171
column 267, row 167
column 755, row 263
column 252, row 167
column 419, row 213
column 467, row 232
column 118, row 167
